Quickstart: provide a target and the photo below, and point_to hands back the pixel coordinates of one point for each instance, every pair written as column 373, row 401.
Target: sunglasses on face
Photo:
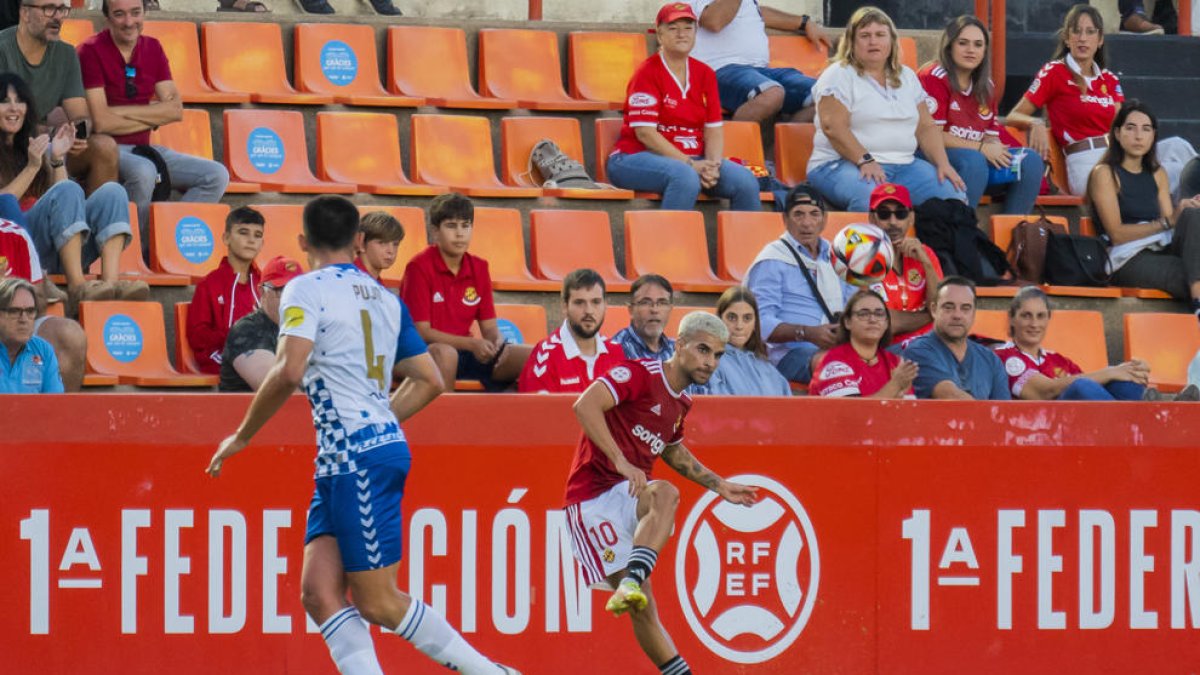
column 886, row 214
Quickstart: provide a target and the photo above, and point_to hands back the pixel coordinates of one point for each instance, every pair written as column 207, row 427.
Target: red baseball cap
column 890, row 192
column 674, row 11
column 280, row 271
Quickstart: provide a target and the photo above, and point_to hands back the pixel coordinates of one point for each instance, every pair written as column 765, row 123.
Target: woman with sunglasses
column 744, row 369
column 860, row 365
column 962, row 101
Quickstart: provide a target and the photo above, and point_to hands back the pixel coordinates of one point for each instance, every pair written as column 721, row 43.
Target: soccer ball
column 862, row 254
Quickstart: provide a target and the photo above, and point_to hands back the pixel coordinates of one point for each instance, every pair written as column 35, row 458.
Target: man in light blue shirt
column 649, row 308
column 795, row 325
column 952, row 366
column 28, row 365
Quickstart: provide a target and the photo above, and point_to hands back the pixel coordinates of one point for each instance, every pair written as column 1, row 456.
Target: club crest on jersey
column 471, row 297
column 620, row 374
column 932, row 104
column 915, row 278
column 984, row 111
column 292, row 317
column 609, row 555
column 1014, row 366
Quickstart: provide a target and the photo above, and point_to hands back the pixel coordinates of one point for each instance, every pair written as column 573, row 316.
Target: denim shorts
column 738, row 84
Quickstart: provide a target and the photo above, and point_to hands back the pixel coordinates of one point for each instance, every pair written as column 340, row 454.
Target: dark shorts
column 738, row 84
column 470, row 368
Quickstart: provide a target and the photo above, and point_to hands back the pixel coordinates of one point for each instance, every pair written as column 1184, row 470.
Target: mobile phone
column 81, row 130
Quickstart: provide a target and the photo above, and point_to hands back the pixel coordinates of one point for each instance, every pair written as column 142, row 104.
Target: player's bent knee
column 663, row 496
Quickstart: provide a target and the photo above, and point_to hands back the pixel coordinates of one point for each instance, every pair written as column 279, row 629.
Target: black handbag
column 1076, row 260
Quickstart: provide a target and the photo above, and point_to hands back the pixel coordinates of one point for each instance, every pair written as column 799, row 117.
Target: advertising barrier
column 890, row 537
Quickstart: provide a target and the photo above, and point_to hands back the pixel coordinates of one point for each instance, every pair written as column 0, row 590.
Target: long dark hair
column 754, row 344
column 1115, row 154
column 981, row 77
column 14, row 158
column 852, row 304
column 1072, row 21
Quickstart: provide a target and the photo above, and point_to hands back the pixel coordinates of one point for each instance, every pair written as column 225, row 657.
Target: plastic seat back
column 75, row 31
column 412, row 219
column 129, row 340
column 1003, row 226
column 908, row 52
column 616, row 318
column 793, row 147
column 796, row 51
column 740, row 237
column 281, row 234
column 186, row 237
column 525, row 65
column 247, row 57
column 337, row 59
column 269, row 147
column 499, row 239
column 600, row 65
column 185, row 358
column 1168, row 342
column 340, row 157
column 523, row 324
column 563, row 241
column 431, row 62
column 191, row 135
column 454, row 150
column 607, row 131
column 518, row 135
column 671, row 330
column 743, row 140
column 670, row 243
column 182, row 47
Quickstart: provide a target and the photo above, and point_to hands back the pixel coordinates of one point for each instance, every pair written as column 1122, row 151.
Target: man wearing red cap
column 915, row 267
column 250, row 348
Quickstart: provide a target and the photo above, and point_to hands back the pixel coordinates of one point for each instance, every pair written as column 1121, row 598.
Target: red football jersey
column 908, row 291
column 648, row 417
column 556, row 365
column 680, row 110
column 957, row 113
column 450, row 302
column 844, row 373
column 1075, row 116
column 18, row 257
column 1020, row 366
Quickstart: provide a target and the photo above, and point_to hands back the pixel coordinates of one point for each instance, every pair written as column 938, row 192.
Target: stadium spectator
column 744, row 369
column 1038, row 374
column 951, row 364
column 33, row 51
column 1134, row 20
column 575, row 354
column 861, row 365
column 650, row 300
column 915, row 267
column 251, row 6
column 128, row 86
column 381, row 7
column 672, row 141
column 871, row 117
column 732, row 40
column 963, row 103
column 379, row 238
column 29, row 365
column 1153, row 244
column 229, row 292
column 69, row 231
column 448, row 290
column 799, row 293
column 250, row 346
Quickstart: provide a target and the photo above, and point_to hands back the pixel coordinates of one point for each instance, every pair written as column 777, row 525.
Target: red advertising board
column 891, row 537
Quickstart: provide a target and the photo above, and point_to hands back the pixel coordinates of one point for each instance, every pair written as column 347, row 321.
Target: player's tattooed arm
column 678, row 457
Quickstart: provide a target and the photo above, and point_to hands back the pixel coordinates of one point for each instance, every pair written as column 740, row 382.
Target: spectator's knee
column 686, row 180
column 103, row 146
column 67, row 337
column 770, row 101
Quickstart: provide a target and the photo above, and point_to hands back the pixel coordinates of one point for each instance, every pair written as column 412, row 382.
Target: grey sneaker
column 1152, row 395
column 1189, row 393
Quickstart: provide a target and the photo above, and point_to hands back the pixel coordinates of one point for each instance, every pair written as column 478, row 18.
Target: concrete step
column 1168, row 96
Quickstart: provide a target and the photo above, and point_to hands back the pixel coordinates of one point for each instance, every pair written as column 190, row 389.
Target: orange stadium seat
column 456, row 150
column 431, row 62
column 563, row 241
column 182, row 48
column 607, row 130
column 616, row 317
column 677, row 313
column 518, row 135
column 908, row 52
column 192, row 135
column 793, row 147
column 498, row 239
column 339, row 60
column 185, row 358
column 75, row 31
column 1076, row 334
column 1003, row 225
column 796, row 51
column 128, row 340
column 670, row 243
column 836, row 220
column 743, row 140
column 415, row 240
column 281, row 234
column 600, row 65
column 525, row 65
column 991, row 323
column 132, row 266
column 1166, row 341
column 340, row 157
column 740, row 236
column 269, row 147
column 528, row 320
column 247, row 57
column 1058, row 176
column 185, row 238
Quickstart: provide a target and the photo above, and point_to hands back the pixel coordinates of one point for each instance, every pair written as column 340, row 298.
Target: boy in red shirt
column 379, row 235
column 229, row 292
column 448, row 290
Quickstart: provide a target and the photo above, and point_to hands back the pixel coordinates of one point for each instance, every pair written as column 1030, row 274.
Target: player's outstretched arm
column 589, row 410
column 681, row 459
column 422, row 383
column 281, row 382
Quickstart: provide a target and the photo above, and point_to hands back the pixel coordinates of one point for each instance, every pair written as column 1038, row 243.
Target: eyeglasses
column 50, row 11
column 130, row 89
column 887, row 214
column 1089, row 32
column 15, row 312
column 269, row 287
column 647, row 303
column 867, row 314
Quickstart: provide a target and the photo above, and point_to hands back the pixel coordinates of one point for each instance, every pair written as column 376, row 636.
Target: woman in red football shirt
column 672, row 140
column 861, row 365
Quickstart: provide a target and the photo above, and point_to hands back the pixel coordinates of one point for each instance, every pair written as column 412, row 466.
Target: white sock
column 435, row 638
column 350, row 643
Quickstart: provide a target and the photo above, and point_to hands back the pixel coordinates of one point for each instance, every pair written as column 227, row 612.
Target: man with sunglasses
column 33, row 50
column 28, row 364
column 915, row 267
column 127, row 81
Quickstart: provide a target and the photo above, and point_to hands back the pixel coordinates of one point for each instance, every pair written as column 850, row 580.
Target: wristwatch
column 866, row 159
column 803, row 23
column 54, row 164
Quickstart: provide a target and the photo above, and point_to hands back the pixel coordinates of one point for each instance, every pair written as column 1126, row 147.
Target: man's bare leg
column 762, row 108
column 323, row 594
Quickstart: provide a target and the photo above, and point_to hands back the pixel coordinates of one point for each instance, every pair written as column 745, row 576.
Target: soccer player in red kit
column 618, row 516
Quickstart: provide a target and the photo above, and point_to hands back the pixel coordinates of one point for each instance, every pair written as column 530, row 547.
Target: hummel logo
column 656, row 409
column 539, row 370
column 437, row 297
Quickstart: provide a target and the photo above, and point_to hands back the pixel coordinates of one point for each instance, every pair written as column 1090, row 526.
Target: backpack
column 556, row 168
column 1027, row 250
column 949, row 227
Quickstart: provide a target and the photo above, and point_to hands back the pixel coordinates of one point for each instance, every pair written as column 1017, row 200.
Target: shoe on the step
column 1188, row 393
column 315, row 6
column 129, row 289
column 52, row 293
column 1152, row 395
column 88, row 291
column 1140, row 25
column 385, row 8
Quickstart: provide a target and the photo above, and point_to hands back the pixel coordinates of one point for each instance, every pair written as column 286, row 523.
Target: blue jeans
column 972, row 166
column 10, row 210
column 738, row 83
column 679, row 184
column 1084, row 389
column 199, row 179
column 796, row 365
column 63, row 212
column 846, row 190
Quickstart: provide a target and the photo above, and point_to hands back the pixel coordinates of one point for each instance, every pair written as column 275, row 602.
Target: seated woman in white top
column 871, row 117
column 744, row 369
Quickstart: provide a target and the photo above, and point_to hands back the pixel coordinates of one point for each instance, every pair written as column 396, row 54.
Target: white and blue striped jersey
column 358, row 331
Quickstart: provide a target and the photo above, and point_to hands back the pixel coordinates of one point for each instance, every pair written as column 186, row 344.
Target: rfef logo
column 747, row 576
column 265, row 149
